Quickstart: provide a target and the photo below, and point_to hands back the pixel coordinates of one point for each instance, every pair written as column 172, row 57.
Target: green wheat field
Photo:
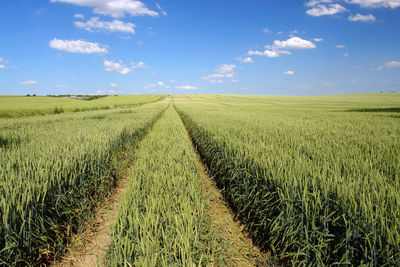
column 315, row 180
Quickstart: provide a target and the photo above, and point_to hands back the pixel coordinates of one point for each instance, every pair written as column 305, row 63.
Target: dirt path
column 90, row 248
column 230, row 233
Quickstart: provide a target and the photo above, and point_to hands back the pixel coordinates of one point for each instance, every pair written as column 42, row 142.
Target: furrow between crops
column 89, row 248
column 236, row 245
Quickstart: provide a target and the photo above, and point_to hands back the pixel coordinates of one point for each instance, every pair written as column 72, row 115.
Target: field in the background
column 316, row 179
column 19, row 106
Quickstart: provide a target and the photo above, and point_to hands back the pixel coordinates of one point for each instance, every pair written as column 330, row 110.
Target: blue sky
column 269, row 47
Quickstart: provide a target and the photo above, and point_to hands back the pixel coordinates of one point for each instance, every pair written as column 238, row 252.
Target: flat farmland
column 305, row 181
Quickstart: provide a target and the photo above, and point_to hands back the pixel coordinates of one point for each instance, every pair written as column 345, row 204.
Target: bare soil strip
column 89, row 248
column 230, row 232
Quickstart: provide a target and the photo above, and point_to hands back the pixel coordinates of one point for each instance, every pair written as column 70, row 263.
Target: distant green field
column 20, row 106
column 317, row 102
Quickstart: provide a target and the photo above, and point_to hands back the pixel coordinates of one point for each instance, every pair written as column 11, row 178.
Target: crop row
column 54, row 169
column 162, row 220
column 315, row 187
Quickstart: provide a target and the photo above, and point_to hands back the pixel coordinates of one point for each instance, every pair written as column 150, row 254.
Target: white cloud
column 157, row 84
column 289, row 72
column 116, row 67
column 362, row 18
column 161, row 10
column 113, row 85
column 186, row 87
column 1, row 59
column 112, row 26
column 29, row 82
column 294, row 43
column 317, row 2
column 322, row 10
column 346, row 54
column 271, row 53
column 79, row 16
column 379, row 68
column 234, row 81
column 266, row 53
column 140, row 65
column 2, row 66
column 121, row 68
column 99, row 92
column 114, row 8
column 340, row 46
column 77, row 46
column 376, row 3
column 275, row 50
column 392, row 64
column 245, row 60
column 266, row 30
column 318, row 39
column 112, row 91
column 222, row 71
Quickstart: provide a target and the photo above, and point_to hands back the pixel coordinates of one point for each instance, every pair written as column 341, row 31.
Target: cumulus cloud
column 245, row 60
column 277, row 48
column 318, row 39
column 29, row 82
column 111, row 26
column 2, row 66
column 113, row 85
column 289, row 72
column 186, row 87
column 294, row 43
column 77, row 46
column 114, row 8
column 362, row 18
column 222, row 71
column 322, row 10
column 392, row 64
column 120, row 67
column 116, row 67
column 376, row 3
column 340, row 46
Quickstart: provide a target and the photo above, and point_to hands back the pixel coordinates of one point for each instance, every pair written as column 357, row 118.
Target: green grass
column 20, row 106
column 162, row 218
column 54, row 169
column 315, row 181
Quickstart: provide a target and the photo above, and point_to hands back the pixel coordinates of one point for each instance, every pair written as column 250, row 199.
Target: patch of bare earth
column 89, row 248
column 240, row 250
